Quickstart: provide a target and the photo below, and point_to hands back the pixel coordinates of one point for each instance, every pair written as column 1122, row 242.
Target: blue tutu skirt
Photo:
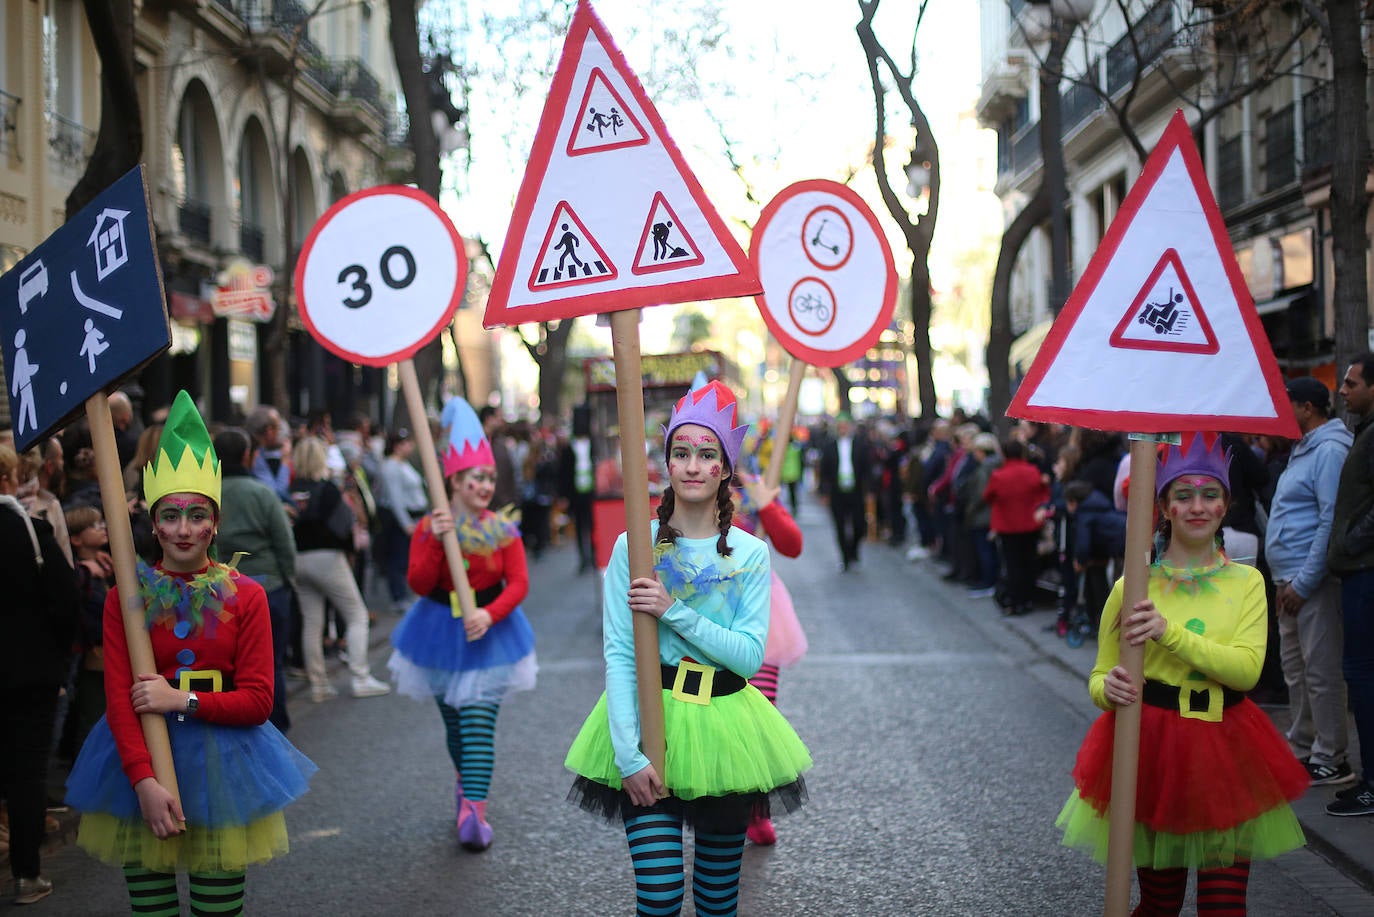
column 433, row 658
column 234, row 781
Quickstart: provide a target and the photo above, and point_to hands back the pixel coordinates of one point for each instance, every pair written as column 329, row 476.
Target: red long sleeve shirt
column 239, row 646
column 781, row 529
column 428, row 570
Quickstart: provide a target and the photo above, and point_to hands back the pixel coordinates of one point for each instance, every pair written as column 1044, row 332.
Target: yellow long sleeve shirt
column 1217, row 635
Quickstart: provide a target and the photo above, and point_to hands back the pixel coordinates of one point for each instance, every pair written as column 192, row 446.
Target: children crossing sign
column 609, row 216
column 82, row 311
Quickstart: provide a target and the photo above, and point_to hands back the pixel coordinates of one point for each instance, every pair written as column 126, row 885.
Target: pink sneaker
column 473, row 831
column 761, row 831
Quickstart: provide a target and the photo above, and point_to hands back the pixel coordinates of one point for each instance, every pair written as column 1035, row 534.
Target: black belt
column 723, row 681
column 205, row 681
column 1159, row 694
column 482, row 597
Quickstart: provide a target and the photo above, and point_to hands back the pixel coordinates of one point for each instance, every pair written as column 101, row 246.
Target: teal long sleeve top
column 719, row 617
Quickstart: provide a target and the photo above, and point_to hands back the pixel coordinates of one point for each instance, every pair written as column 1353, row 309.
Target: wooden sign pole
column 782, row 433
column 434, row 480
column 141, row 661
column 635, row 473
column 1126, row 743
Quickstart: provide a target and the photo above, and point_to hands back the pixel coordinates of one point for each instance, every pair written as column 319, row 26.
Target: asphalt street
column 943, row 736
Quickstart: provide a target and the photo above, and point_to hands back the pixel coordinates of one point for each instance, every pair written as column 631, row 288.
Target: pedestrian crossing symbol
column 664, row 245
column 606, row 122
column 1166, row 314
column 570, row 254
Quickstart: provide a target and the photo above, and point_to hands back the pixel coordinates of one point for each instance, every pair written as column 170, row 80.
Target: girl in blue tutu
column 211, row 637
column 729, row 752
column 468, row 665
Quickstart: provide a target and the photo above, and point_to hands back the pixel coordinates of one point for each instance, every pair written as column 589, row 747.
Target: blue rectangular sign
column 82, row 311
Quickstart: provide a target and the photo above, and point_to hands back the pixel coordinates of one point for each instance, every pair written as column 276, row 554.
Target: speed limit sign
column 380, row 274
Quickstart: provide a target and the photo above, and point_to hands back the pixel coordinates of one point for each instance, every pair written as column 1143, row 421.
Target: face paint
column 475, row 488
column 695, row 463
column 185, row 526
column 1195, row 507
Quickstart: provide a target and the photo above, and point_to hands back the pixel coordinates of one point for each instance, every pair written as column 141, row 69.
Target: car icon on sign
column 32, row 284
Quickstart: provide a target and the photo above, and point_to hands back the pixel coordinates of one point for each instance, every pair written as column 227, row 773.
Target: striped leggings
column 657, row 856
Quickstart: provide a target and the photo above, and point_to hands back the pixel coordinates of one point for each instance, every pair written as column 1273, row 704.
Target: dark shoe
column 1330, row 774
column 1358, row 803
column 1351, row 791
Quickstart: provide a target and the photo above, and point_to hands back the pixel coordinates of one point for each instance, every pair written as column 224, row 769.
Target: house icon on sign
column 108, row 238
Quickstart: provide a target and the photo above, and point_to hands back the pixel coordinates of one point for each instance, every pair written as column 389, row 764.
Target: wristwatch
column 192, row 703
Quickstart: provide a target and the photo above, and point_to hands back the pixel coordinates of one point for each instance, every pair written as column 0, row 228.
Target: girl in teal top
column 728, row 750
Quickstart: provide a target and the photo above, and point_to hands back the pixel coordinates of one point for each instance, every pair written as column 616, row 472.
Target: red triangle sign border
column 644, row 238
column 641, row 140
column 1177, row 137
column 1170, row 258
column 536, row 284
column 740, row 280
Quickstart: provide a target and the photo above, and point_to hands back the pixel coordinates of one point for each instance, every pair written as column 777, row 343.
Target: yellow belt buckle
column 706, row 678
column 187, row 680
column 1203, row 703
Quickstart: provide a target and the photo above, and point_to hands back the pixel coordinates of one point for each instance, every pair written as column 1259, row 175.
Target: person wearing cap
column 730, row 753
column 1215, row 778
column 1307, row 598
column 467, row 664
column 212, row 649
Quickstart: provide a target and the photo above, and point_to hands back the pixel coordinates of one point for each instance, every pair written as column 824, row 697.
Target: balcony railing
column 9, row 121
column 1153, row 34
column 1025, row 149
column 286, row 18
column 1230, row 173
column 69, row 144
column 252, row 241
column 193, row 217
column 1317, row 119
column 352, row 79
column 1079, row 101
column 1280, row 147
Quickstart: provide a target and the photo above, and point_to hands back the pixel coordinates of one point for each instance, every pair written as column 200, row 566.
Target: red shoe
column 761, row 831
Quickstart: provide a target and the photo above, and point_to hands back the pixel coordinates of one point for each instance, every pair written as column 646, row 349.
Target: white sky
column 801, row 106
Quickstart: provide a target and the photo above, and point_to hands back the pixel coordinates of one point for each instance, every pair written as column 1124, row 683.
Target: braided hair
column 725, row 511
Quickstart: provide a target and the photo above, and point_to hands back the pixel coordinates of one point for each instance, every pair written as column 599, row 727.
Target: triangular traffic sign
column 570, row 254
column 610, row 185
column 664, row 245
column 1153, row 370
column 607, row 122
column 1166, row 314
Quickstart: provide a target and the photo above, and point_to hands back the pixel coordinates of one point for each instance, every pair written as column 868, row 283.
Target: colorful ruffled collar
column 170, row 600
column 489, row 532
column 1191, row 580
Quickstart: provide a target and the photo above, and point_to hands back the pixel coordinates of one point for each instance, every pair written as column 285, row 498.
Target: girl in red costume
column 761, row 513
column 1215, row 776
column 212, row 644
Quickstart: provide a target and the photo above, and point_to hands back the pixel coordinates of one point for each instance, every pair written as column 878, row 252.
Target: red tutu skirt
column 1206, row 793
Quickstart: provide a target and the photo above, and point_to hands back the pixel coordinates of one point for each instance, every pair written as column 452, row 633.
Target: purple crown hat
column 1204, row 455
column 711, row 406
column 468, row 446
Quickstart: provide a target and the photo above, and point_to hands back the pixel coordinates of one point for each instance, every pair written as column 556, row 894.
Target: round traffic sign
column 380, row 274
column 829, row 281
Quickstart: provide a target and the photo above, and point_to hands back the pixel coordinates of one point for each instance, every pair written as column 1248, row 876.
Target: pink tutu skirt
column 786, row 639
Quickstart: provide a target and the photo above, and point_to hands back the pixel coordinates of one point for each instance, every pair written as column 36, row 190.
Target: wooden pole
column 434, row 480
column 629, row 394
column 782, row 433
column 141, row 661
column 1126, row 744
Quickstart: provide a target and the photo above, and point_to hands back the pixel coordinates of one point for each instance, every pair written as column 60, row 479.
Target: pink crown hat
column 468, row 446
column 711, row 406
column 1204, row 455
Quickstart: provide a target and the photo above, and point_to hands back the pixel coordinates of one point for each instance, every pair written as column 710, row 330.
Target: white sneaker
column 917, row 552
column 321, row 693
column 367, row 686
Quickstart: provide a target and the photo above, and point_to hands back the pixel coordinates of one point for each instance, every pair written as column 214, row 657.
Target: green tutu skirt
column 725, row 761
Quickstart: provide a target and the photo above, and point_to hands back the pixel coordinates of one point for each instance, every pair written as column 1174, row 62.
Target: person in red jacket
column 1016, row 493
column 211, row 637
column 467, row 664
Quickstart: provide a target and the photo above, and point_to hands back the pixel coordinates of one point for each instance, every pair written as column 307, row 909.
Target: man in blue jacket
column 1307, row 597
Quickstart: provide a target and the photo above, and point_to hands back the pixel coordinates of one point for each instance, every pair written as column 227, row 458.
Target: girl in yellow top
column 1215, row 776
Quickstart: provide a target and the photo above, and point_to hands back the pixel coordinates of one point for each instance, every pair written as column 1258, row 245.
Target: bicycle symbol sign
column 811, row 304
